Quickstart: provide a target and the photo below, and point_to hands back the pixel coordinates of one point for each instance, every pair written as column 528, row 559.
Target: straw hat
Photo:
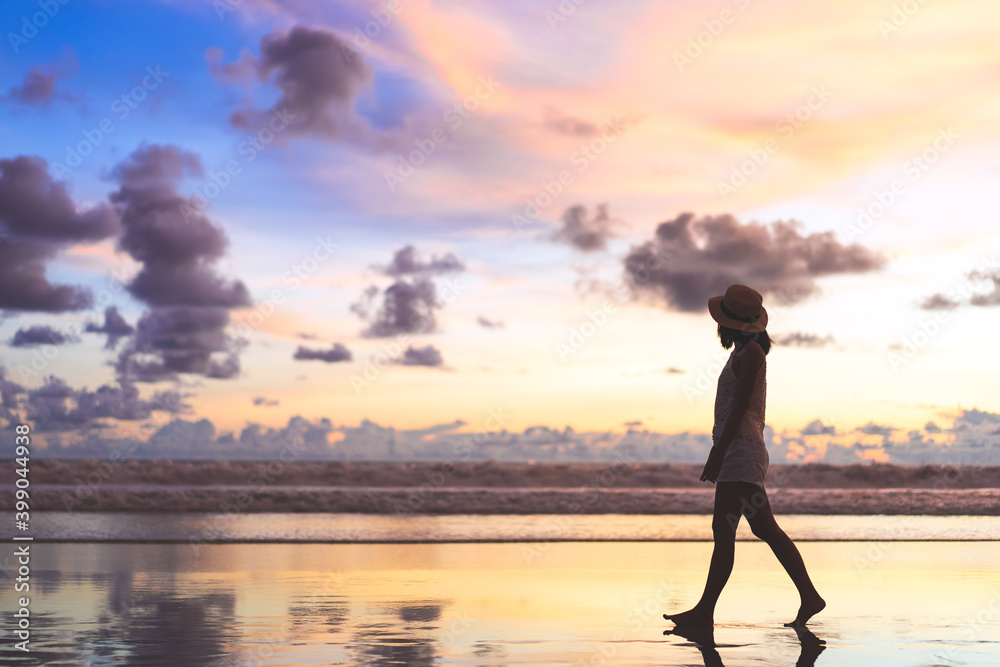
column 739, row 308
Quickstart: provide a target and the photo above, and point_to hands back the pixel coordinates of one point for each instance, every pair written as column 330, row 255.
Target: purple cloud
column 38, row 220
column 691, row 259
column 184, row 329
column 337, row 353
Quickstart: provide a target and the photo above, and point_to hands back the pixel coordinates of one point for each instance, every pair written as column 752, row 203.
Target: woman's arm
column 746, row 378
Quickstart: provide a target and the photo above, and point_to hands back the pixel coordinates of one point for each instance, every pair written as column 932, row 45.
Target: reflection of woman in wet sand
column 738, row 460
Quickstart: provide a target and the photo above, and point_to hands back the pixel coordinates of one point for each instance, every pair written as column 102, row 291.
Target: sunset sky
column 265, row 190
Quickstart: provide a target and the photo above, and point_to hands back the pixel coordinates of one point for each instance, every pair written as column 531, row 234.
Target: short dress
column 746, row 459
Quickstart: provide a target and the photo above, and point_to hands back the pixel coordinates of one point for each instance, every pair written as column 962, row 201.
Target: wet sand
column 913, row 603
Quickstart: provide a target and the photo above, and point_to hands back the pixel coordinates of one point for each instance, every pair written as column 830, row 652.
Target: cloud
column 337, row 353
column 408, row 306
column 184, row 329
column 318, row 85
column 242, row 72
column 939, row 302
column 673, row 370
column 405, row 262
column 931, row 427
column 583, row 233
column 871, row 428
column 265, row 401
column 38, row 220
column 816, row 427
column 799, row 339
column 114, row 326
column 40, row 335
column 561, row 123
column 10, row 403
column 990, row 298
column 691, row 259
column 55, row 406
column 421, row 356
column 487, row 323
column 39, row 86
column 951, row 301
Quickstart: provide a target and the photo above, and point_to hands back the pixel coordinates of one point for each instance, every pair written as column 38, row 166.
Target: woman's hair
column 739, row 338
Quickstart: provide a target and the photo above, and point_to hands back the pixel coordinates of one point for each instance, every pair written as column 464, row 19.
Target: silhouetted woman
column 738, row 460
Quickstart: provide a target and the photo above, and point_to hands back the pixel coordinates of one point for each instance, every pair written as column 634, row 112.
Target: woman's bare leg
column 725, row 519
column 762, row 523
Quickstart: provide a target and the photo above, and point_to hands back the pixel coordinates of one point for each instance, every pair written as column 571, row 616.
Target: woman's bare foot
column 807, row 610
column 693, row 616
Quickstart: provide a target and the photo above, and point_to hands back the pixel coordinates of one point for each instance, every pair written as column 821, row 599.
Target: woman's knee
column 766, row 529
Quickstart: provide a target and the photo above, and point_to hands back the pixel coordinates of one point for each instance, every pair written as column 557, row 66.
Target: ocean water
column 319, row 527
column 896, row 603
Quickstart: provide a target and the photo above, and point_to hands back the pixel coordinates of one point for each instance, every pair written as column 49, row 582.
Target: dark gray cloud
column 585, row 233
column 41, row 335
column 408, row 305
column 180, row 339
column 562, row 123
column 39, row 86
column 991, row 298
column 337, row 353
column 115, row 327
column 487, row 323
column 871, row 428
column 939, row 302
column 38, row 220
column 10, row 399
column 318, row 85
column 799, row 339
column 931, row 427
column 954, row 299
column 816, row 427
column 265, row 401
column 405, row 262
column 55, row 406
column 691, row 259
column 421, row 356
column 242, row 71
column 184, row 329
